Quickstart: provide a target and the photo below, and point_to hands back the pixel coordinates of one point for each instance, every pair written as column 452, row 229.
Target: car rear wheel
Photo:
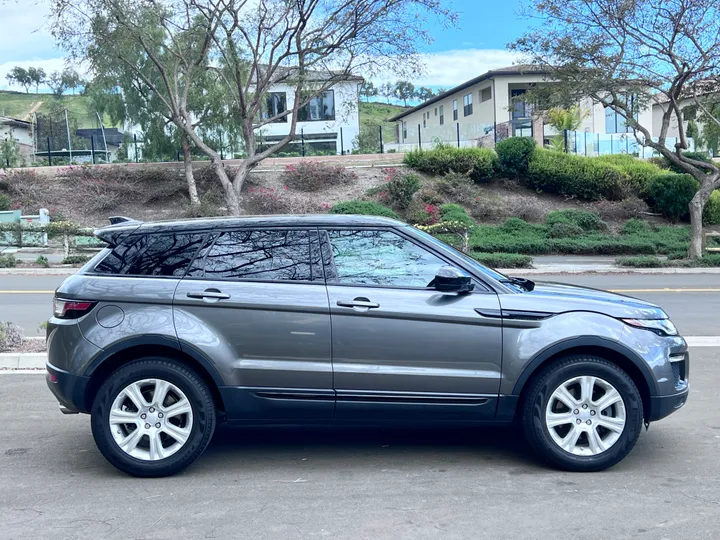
column 583, row 413
column 153, row 417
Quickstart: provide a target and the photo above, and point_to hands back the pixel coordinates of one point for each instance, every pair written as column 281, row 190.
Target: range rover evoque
column 175, row 326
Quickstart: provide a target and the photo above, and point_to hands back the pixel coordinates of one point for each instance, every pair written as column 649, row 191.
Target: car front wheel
column 153, row 417
column 583, row 413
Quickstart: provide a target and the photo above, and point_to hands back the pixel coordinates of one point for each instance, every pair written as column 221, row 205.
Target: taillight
column 71, row 309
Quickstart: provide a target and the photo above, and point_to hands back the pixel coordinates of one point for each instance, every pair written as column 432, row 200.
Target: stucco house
column 20, row 131
column 490, row 107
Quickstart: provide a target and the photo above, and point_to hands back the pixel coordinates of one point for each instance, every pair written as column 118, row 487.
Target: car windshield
column 497, row 276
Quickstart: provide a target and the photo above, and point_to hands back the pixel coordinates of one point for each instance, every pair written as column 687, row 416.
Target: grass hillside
column 20, row 105
column 378, row 114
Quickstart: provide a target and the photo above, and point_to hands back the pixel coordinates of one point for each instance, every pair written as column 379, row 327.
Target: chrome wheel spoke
column 129, row 443
column 179, row 434
column 160, row 393
column 613, row 424
column 611, row 397
column 123, row 417
column 595, row 443
column 156, row 448
column 570, row 440
column 177, row 409
column 559, row 419
column 135, row 395
column 563, row 394
column 586, row 389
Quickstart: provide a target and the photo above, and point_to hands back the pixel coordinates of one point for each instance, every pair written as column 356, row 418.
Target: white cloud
column 450, row 68
column 24, row 30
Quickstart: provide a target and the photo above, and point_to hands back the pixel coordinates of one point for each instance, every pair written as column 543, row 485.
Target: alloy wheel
column 585, row 415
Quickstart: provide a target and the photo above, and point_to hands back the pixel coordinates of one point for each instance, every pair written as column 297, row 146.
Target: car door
column 399, row 348
column 254, row 303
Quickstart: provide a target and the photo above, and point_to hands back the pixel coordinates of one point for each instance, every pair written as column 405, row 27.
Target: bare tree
column 250, row 47
column 627, row 54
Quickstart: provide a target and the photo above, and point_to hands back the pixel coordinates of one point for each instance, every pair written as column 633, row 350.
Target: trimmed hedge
column 366, row 208
column 477, row 163
column 640, row 262
column 711, row 215
column 514, row 155
column 575, row 176
column 638, row 173
column 670, row 195
column 653, row 262
column 587, row 221
column 503, row 260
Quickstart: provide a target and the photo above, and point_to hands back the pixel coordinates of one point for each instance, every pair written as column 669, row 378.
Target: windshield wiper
column 526, row 284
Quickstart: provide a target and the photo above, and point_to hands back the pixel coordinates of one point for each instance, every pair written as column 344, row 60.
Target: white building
column 19, row 130
column 490, row 106
column 328, row 123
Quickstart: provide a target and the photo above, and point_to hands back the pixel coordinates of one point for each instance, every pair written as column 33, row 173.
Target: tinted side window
column 267, row 255
column 380, row 258
column 167, row 255
column 123, row 255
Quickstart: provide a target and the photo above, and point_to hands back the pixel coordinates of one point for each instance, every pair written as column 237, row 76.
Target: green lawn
column 19, row 105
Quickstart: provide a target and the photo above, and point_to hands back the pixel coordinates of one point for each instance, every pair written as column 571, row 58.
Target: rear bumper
column 68, row 388
column 662, row 406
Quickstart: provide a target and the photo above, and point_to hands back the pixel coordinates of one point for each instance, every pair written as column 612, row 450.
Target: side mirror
column 450, row 279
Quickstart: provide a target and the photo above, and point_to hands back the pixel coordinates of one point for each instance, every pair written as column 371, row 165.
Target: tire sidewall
column 633, row 407
column 203, row 412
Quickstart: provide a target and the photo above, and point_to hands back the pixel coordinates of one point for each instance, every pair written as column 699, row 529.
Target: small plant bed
column 708, row 261
column 13, row 340
column 11, row 261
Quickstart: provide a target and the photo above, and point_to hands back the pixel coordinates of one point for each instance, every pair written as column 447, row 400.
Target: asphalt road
column 693, row 301
column 359, row 484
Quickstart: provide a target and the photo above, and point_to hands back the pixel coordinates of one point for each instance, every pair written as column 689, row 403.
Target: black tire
column 197, row 393
column 540, row 391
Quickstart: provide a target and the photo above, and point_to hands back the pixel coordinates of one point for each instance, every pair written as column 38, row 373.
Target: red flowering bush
column 316, row 176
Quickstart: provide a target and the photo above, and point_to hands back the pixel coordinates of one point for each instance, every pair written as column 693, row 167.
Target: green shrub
column 588, row 221
column 711, row 215
column 670, row 195
column 565, row 230
column 503, row 260
column 401, row 189
column 677, row 255
column 476, row 163
column 603, row 245
column 455, row 212
column 75, row 259
column 366, row 208
column 514, row 155
column 4, row 202
column 514, row 224
column 575, row 176
column 316, row 175
column 43, row 261
column 8, row 261
column 640, row 262
column 636, row 226
column 489, row 239
column 699, row 156
column 638, row 173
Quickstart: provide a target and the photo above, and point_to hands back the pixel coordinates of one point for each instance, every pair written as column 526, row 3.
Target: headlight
column 662, row 327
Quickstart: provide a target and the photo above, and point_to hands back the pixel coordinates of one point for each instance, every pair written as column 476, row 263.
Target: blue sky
column 476, row 45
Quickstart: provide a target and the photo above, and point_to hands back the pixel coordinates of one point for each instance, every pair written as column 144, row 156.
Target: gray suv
column 346, row 320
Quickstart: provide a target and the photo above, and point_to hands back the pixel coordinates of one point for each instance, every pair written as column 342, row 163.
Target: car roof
column 224, row 222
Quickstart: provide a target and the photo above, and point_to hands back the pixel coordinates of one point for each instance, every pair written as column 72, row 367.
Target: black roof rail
column 114, row 220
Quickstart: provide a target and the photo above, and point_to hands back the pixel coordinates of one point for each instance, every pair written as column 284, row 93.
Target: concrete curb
column 606, row 270
column 21, row 361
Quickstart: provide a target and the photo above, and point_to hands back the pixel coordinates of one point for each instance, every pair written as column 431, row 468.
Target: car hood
column 556, row 298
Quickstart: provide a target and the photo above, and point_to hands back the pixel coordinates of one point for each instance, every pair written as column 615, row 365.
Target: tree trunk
column 231, row 199
column 242, row 173
column 189, row 176
column 696, row 206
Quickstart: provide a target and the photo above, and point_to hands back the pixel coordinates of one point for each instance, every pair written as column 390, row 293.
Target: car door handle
column 358, row 302
column 212, row 294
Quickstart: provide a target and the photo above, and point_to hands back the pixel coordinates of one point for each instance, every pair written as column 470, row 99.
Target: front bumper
column 68, row 388
column 662, row 406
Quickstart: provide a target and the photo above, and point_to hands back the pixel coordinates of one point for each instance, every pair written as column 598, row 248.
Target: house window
column 321, row 107
column 520, row 108
column 435, row 111
column 275, row 103
column 467, row 105
column 404, row 130
column 424, row 122
column 485, row 94
column 455, row 110
column 442, row 115
column 615, row 122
